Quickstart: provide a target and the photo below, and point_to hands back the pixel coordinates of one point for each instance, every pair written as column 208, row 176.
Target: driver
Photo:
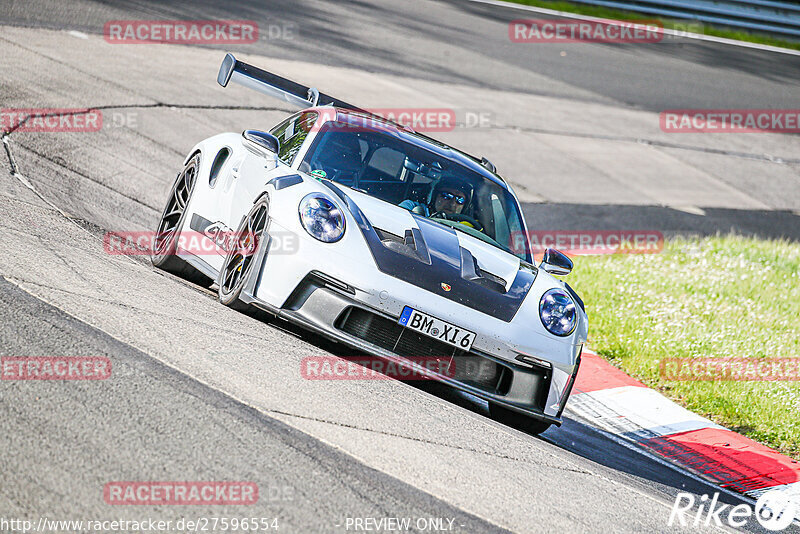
column 449, row 197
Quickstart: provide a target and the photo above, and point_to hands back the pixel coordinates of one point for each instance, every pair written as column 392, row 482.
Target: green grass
column 687, row 25
column 725, row 296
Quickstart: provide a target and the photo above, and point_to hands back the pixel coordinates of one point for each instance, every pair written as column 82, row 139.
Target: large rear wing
column 233, row 70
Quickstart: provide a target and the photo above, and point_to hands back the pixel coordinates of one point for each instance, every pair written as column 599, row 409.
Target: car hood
column 440, row 259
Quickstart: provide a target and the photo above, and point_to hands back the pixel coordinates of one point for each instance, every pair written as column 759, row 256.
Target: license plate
column 436, row 328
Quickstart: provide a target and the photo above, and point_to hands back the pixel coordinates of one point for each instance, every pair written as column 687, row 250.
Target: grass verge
column 715, row 297
column 693, row 26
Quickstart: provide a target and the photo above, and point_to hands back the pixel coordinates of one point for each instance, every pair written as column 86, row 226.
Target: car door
column 251, row 169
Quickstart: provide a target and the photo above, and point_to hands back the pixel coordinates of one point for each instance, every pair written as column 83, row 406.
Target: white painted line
column 79, row 35
column 641, row 413
column 628, row 415
column 665, row 31
column 691, row 210
column 635, row 447
column 750, row 496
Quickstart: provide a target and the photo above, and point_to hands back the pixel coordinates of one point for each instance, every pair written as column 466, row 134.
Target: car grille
column 466, row 367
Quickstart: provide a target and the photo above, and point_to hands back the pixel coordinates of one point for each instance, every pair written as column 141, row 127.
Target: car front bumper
column 331, row 308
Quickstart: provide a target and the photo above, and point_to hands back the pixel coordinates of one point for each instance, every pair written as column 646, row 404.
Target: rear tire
column 517, row 420
column 238, row 264
column 165, row 244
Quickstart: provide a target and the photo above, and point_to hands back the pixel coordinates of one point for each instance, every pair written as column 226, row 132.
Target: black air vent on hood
column 411, row 245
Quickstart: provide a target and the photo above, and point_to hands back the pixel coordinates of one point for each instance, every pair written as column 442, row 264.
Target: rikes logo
column 446, row 287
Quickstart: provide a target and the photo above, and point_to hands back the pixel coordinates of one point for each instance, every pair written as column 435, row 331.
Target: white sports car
column 383, row 239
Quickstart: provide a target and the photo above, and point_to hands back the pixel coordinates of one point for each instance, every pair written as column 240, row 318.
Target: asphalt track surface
column 200, row 392
column 455, row 41
column 465, row 44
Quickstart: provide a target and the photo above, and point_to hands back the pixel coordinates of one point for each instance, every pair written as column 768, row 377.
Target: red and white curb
column 613, row 401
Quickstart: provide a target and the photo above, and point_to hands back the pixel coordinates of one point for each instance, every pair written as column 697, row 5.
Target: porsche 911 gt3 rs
column 401, row 246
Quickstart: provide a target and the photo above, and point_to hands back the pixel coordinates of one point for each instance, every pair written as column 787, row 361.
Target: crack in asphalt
column 214, row 326
column 15, row 172
column 19, row 283
column 229, row 404
column 561, row 461
column 576, row 469
column 93, row 180
column 653, row 142
column 427, row 441
column 644, row 141
column 11, row 160
column 23, row 180
column 155, row 105
column 780, row 160
column 15, row 168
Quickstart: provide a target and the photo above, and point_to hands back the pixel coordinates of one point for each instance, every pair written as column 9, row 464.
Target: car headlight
column 321, row 218
column 557, row 311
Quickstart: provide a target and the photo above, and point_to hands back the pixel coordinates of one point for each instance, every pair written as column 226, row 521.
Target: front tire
column 164, row 254
column 517, row 420
column 238, row 264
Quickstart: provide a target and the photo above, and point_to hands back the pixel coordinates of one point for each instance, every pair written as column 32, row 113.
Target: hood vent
column 472, row 272
column 494, row 278
column 412, row 245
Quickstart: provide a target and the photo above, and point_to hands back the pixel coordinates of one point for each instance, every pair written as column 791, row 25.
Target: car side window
column 292, row 132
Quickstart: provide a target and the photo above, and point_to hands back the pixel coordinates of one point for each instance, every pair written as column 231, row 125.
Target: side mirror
column 555, row 262
column 263, row 140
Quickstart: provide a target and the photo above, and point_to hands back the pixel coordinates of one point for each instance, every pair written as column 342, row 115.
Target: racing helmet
column 452, row 182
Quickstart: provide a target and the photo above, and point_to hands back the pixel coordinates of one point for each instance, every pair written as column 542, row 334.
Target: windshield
column 384, row 166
